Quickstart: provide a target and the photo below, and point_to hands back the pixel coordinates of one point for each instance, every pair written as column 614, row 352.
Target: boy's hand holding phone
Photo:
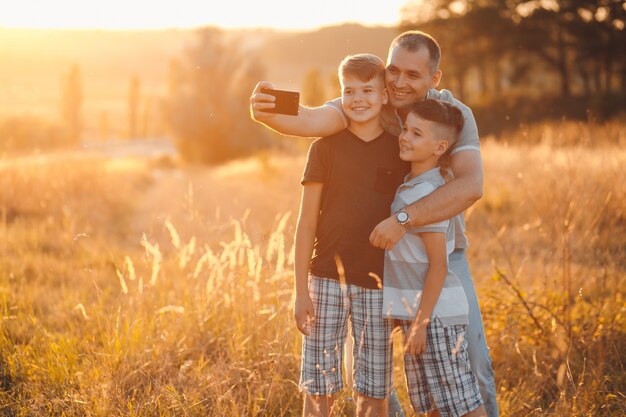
column 266, row 101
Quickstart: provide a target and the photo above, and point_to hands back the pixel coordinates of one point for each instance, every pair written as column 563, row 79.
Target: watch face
column 402, row 216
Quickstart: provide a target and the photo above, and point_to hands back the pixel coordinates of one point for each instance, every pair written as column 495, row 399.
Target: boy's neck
column 366, row 131
column 419, row 167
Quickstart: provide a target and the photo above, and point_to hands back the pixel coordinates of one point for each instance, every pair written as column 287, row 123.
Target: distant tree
column 133, row 107
column 104, row 127
column 30, row 132
column 146, row 118
column 580, row 42
column 313, row 91
column 71, row 103
column 207, row 107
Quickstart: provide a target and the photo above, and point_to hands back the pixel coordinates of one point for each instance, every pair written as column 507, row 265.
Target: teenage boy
column 419, row 289
column 412, row 74
column 337, row 270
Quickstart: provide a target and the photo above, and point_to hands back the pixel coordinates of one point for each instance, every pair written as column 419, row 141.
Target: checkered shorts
column 441, row 377
column 322, row 351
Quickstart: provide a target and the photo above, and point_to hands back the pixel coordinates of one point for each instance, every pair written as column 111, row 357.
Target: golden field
column 143, row 287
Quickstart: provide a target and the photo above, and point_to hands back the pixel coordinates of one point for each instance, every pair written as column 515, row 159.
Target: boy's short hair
column 413, row 40
column 362, row 66
column 440, row 112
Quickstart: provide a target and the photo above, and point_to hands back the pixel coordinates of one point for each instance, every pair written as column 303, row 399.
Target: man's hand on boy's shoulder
column 387, row 233
column 304, row 314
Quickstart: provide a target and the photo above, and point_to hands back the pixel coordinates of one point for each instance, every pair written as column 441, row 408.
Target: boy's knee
column 318, row 405
column 370, row 407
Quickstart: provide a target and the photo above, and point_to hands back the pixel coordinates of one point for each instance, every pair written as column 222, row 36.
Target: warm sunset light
column 145, row 14
column 176, row 239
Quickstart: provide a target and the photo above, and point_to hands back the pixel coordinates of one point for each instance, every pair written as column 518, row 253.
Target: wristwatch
column 403, row 218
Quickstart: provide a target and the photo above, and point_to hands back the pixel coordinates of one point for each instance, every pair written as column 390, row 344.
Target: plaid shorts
column 441, row 377
column 322, row 351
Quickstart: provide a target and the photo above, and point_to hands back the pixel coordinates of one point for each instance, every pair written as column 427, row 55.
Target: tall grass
column 128, row 290
column 553, row 221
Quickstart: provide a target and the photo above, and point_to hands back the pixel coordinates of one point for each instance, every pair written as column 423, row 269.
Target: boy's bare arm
column 310, row 121
column 444, row 203
column 435, row 246
column 305, row 237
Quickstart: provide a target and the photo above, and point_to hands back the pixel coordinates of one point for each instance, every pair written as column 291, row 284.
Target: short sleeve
column 468, row 137
column 317, row 162
column 335, row 104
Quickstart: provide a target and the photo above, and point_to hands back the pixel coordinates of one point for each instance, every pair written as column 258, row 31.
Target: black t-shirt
column 360, row 179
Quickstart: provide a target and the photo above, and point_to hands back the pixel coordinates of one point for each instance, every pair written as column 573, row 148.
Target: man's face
column 408, row 76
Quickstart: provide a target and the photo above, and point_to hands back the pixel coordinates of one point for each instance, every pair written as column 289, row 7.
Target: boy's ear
column 442, row 147
column 385, row 96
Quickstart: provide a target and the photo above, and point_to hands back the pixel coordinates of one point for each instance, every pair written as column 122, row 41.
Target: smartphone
column 287, row 102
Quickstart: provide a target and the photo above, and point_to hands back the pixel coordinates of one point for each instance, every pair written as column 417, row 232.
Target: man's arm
column 445, row 202
column 310, row 121
column 305, row 238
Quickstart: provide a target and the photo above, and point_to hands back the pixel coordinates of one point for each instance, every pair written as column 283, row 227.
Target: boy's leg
column 479, row 412
column 322, row 350
column 317, row 405
column 479, row 358
column 416, row 380
column 394, row 406
column 451, row 385
column 373, row 359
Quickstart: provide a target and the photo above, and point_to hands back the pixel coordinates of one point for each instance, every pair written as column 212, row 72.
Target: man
column 411, row 75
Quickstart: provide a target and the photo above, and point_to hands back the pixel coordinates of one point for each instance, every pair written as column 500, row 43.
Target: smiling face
column 362, row 100
column 422, row 140
column 409, row 76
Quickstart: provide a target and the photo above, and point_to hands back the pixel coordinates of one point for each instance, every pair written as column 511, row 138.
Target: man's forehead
column 419, row 56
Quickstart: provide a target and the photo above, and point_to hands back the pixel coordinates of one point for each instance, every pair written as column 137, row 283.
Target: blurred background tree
column 133, row 107
column 313, row 88
column 520, row 61
column 71, row 103
column 207, row 107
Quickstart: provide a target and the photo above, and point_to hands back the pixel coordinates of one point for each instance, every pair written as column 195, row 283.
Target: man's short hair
column 413, row 40
column 440, row 112
column 362, row 66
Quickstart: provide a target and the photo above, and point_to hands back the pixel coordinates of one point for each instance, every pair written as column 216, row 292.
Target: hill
column 290, row 55
column 33, row 62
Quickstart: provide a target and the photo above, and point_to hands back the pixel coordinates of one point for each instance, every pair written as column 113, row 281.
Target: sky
column 158, row 14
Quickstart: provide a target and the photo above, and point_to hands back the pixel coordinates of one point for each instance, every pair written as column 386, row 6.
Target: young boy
column 348, row 185
column 419, row 289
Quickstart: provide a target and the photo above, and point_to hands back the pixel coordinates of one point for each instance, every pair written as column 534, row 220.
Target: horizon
column 142, row 15
column 192, row 28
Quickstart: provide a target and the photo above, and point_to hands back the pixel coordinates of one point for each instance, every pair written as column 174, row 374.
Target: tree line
column 570, row 52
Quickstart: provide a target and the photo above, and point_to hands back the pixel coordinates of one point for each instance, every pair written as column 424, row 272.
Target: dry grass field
column 144, row 288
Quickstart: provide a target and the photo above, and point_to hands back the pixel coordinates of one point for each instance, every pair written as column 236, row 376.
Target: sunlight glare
column 144, row 14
